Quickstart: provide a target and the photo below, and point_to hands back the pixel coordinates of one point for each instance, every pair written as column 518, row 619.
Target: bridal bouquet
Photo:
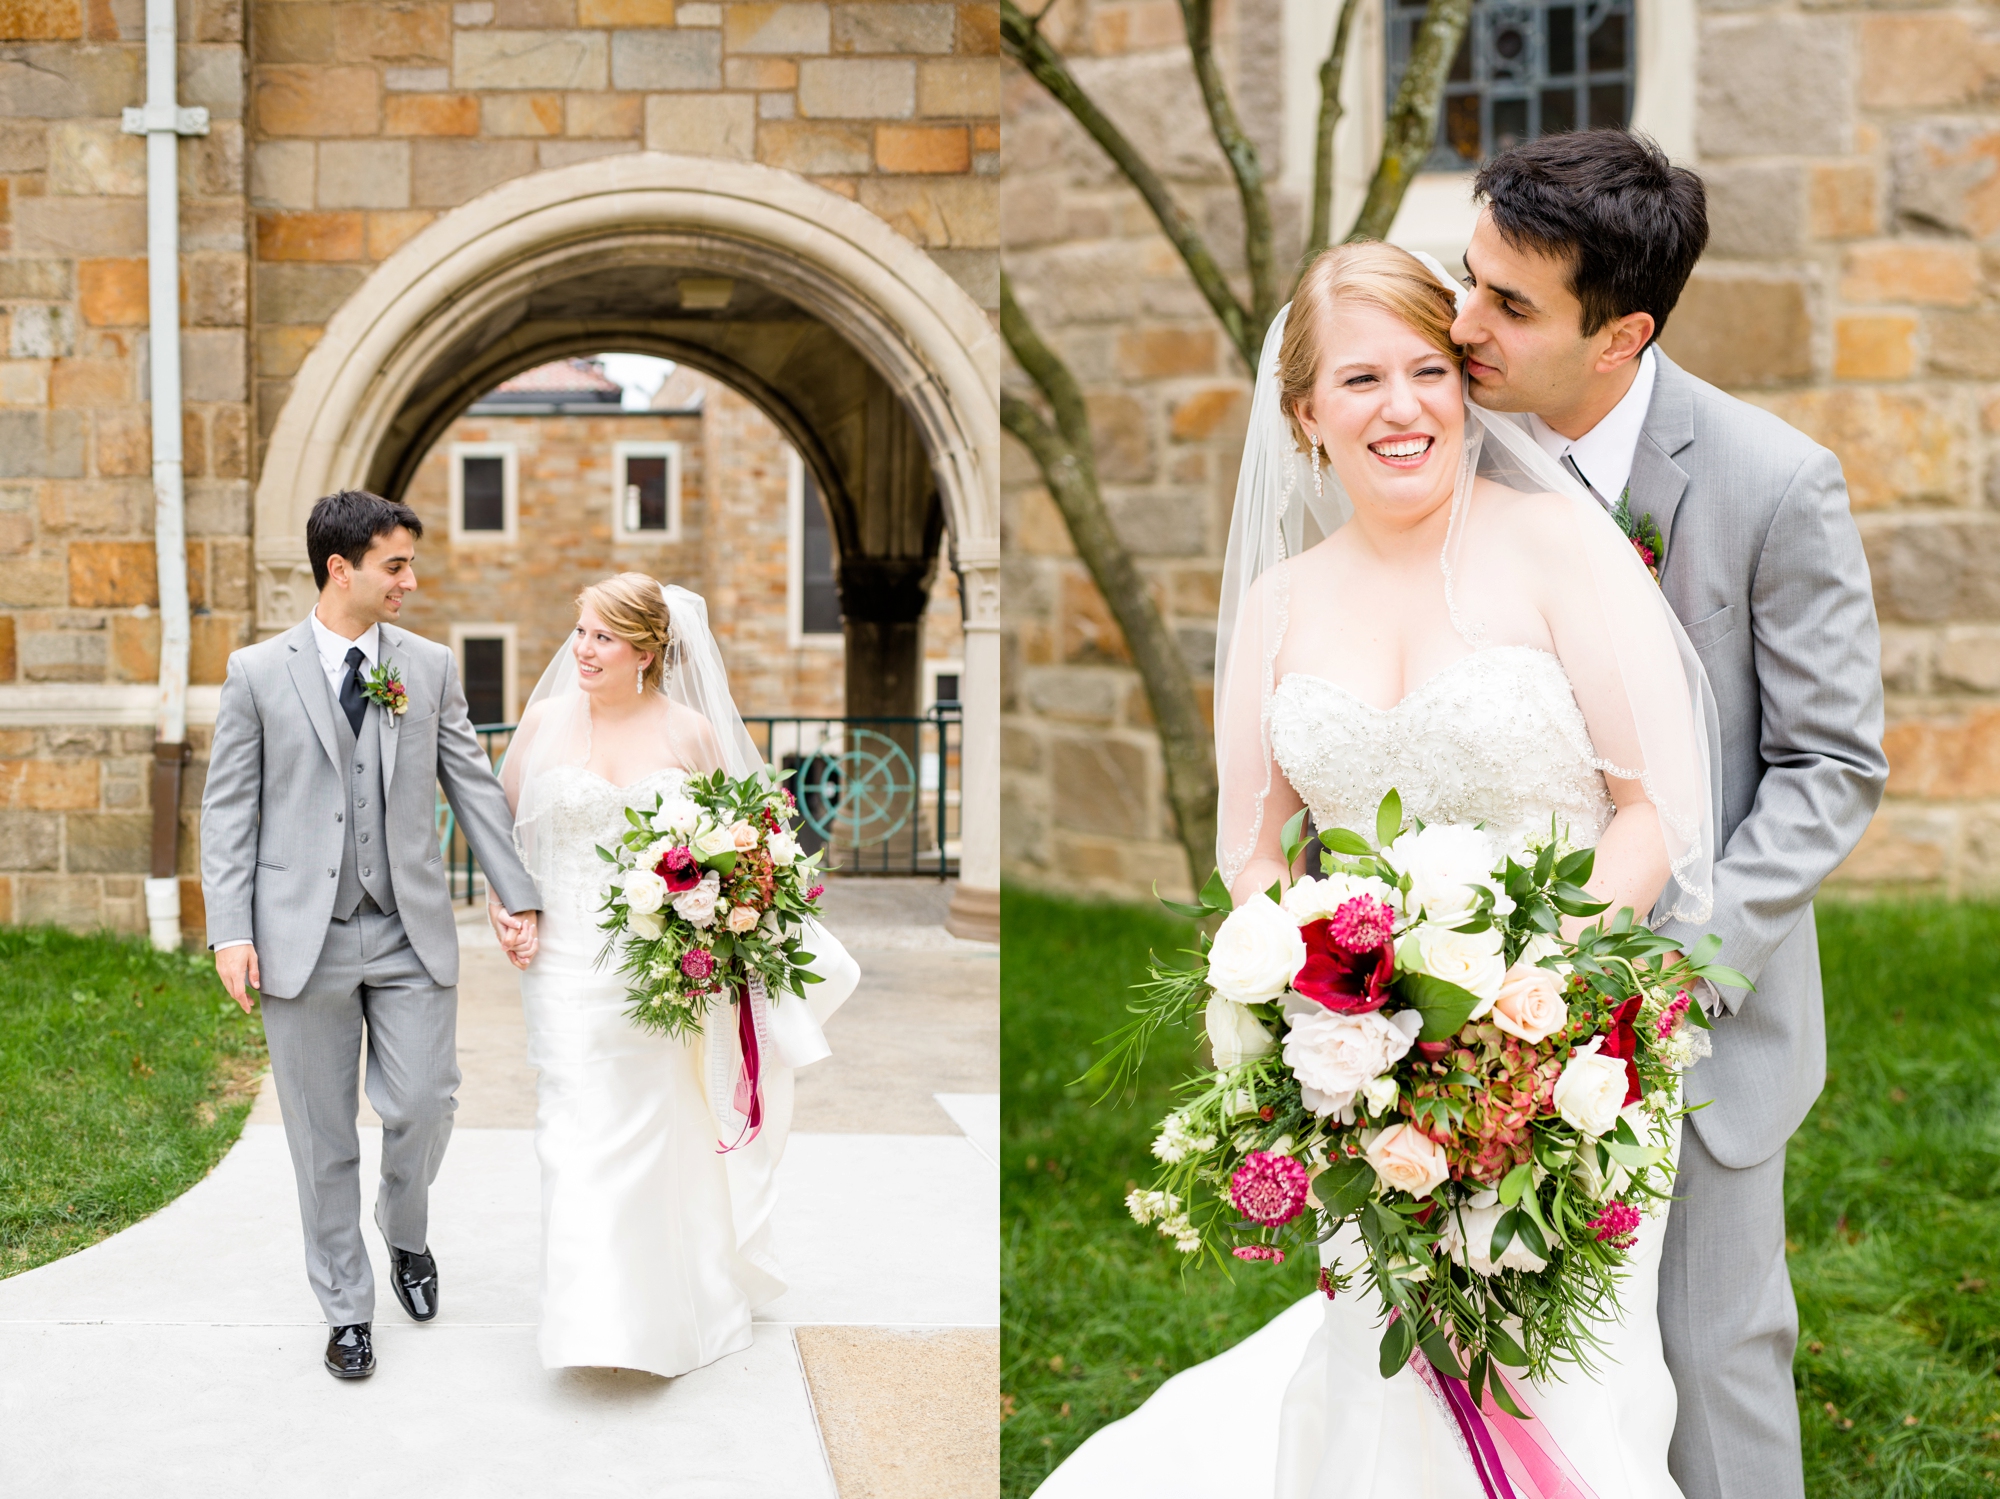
column 710, row 893
column 1404, row 1043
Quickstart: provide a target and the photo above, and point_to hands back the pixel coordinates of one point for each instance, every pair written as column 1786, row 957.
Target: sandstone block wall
column 1852, row 287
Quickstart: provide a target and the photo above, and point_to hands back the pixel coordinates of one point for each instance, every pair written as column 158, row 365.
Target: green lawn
column 1893, row 1199
column 124, row 1076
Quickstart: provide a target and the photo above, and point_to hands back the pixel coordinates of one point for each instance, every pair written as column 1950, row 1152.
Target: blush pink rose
column 1530, row 1004
column 1407, row 1160
column 744, row 836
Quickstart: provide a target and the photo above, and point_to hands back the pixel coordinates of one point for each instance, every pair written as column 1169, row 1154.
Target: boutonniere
column 384, row 686
column 1642, row 533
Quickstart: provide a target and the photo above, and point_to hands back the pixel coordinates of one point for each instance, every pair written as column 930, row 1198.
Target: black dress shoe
column 414, row 1274
column 350, row 1352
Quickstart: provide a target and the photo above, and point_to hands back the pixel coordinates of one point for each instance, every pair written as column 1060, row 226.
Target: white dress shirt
column 333, row 661
column 1603, row 455
column 333, row 651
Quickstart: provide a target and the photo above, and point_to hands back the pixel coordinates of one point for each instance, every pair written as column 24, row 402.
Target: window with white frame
column 814, row 594
column 646, row 483
column 484, row 502
column 487, row 671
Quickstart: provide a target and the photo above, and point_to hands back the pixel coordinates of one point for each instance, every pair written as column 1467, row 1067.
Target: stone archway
column 884, row 373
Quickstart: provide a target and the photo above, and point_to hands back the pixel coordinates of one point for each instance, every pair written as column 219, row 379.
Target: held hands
column 237, row 968
column 517, row 934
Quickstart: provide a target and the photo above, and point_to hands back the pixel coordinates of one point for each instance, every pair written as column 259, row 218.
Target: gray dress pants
column 367, row 972
column 1729, row 1327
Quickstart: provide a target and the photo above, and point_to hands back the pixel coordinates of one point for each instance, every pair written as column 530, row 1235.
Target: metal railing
column 878, row 795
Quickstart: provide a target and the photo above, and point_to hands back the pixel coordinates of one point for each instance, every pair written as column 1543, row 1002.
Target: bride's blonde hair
column 635, row 610
column 1371, row 273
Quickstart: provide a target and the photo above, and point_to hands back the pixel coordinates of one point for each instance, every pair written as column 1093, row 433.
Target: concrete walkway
column 181, row 1357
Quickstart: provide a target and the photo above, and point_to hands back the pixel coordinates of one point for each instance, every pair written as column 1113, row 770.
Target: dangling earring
column 639, row 679
column 1319, row 484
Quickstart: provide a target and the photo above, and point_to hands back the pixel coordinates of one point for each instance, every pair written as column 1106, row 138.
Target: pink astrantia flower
column 1259, row 1252
column 1671, row 1016
column 1617, row 1225
column 698, row 963
column 1361, row 925
column 1269, row 1188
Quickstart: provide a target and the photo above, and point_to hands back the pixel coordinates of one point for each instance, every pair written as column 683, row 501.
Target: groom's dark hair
column 1630, row 223
column 346, row 523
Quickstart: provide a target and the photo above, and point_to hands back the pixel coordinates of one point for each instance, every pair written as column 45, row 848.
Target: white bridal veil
column 1645, row 699
column 704, row 730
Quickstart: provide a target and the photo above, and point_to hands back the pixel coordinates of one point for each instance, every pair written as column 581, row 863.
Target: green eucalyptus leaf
column 1215, row 894
column 1344, row 1186
column 1577, row 867
column 1439, row 1351
column 1531, row 1235
column 1503, row 1347
column 1503, row 1233
column 1179, row 907
column 1545, row 862
column 1516, row 1182
column 1444, row 1005
column 1291, row 838
column 1398, row 1341
column 1389, row 818
column 1346, row 841
column 1506, row 1401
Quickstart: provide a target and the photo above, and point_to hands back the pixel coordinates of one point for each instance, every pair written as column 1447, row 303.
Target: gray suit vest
column 364, row 852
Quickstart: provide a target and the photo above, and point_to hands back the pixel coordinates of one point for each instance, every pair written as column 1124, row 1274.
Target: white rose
column 1591, row 1090
column 1468, row 1238
column 742, row 919
column 1234, row 1034
column 1444, row 862
column 676, row 814
column 784, row 847
column 1538, row 947
column 1471, row 960
column 1256, row 952
column 698, row 905
column 645, row 892
column 1333, row 1056
column 715, row 841
column 1614, row 1182
column 769, row 927
column 1312, row 898
column 647, row 924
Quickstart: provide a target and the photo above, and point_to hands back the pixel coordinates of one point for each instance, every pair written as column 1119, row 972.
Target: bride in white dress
column 656, row 1242
column 1438, row 610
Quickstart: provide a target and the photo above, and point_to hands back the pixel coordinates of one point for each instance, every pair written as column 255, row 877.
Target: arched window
column 1526, row 68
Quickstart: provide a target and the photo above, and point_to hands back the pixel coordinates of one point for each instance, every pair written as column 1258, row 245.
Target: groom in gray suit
column 1583, row 244
column 325, row 888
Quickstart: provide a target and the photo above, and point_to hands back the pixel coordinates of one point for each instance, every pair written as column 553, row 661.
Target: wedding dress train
column 1300, row 1409
column 656, row 1245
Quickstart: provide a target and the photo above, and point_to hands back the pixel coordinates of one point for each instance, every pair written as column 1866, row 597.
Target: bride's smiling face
column 604, row 663
column 1389, row 409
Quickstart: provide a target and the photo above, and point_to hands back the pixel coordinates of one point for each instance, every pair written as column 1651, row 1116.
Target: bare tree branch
column 1330, row 73
column 1199, row 18
column 1031, row 50
column 1065, row 455
column 1412, row 125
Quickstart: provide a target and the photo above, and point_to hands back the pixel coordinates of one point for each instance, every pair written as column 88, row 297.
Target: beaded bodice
column 584, row 811
column 1494, row 738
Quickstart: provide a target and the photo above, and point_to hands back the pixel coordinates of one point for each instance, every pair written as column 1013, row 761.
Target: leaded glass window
column 1526, row 68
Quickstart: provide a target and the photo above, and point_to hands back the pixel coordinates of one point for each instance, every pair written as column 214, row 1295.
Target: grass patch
column 1892, row 1195
column 125, row 1074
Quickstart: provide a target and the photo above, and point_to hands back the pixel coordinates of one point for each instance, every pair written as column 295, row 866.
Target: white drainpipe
column 163, row 122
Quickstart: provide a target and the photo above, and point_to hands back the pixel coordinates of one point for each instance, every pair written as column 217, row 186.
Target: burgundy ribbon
column 748, row 1099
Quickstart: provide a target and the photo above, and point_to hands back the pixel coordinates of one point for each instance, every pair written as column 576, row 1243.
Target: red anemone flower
column 679, row 869
column 1349, row 983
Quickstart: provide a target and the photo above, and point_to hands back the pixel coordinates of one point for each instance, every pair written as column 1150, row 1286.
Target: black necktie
column 1569, row 462
column 353, row 698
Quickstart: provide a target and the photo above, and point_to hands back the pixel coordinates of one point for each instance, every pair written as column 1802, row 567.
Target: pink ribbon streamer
column 1514, row 1459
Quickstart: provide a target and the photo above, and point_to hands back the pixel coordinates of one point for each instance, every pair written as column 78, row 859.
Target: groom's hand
column 237, row 968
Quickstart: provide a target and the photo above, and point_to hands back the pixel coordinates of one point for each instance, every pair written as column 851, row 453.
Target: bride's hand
column 515, row 933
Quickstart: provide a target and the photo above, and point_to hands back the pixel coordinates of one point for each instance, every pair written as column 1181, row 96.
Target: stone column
column 975, row 904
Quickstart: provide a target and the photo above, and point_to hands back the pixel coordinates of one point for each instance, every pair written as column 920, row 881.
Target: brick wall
column 1852, row 287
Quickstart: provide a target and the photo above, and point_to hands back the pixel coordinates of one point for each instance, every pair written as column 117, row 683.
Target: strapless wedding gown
column 656, row 1248
column 1300, row 1409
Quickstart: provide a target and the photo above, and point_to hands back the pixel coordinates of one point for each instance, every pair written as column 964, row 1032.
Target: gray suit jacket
column 270, row 836
column 1765, row 569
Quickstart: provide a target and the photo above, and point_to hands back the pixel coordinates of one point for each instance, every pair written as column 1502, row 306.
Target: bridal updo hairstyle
column 633, row 608
column 1375, row 275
